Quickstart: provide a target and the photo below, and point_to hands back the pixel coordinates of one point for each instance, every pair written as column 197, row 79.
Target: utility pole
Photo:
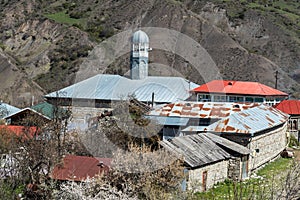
column 276, row 79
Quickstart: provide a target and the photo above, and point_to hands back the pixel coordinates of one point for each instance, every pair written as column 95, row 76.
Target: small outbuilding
column 209, row 159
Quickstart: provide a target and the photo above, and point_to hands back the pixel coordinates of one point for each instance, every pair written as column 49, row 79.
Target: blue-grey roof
column 194, row 129
column 250, row 121
column 171, row 121
column 6, row 109
column 116, row 87
column 140, row 37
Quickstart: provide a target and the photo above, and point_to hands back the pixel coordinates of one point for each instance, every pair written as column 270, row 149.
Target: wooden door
column 204, row 180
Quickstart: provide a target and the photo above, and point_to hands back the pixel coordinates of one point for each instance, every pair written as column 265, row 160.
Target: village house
column 92, row 96
column 291, row 107
column 262, row 129
column 42, row 112
column 238, row 91
column 26, row 117
column 209, row 159
column 183, row 118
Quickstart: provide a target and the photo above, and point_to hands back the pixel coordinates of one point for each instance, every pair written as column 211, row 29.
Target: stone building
column 261, row 129
column 103, row 91
column 209, row 159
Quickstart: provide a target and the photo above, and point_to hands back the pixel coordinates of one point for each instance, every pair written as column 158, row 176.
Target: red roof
column 21, row 131
column 79, row 168
column 238, row 87
column 291, row 107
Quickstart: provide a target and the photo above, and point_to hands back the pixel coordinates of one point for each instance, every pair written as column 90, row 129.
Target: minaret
column 139, row 56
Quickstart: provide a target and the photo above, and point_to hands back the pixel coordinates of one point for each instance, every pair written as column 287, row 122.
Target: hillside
column 43, row 42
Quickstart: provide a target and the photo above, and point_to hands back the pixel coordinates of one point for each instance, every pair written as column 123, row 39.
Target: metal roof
column 20, row 131
column 140, row 37
column 49, row 110
column 24, row 110
column 202, row 149
column 6, row 109
column 116, row 87
column 291, row 107
column 194, row 129
column 200, row 109
column 172, row 121
column 250, row 121
column 79, row 168
column 238, row 87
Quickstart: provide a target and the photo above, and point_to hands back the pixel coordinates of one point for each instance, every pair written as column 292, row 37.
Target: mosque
column 101, row 90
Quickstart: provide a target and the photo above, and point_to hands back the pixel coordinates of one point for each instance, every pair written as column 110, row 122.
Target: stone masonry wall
column 81, row 116
column 215, row 173
column 234, row 169
column 268, row 145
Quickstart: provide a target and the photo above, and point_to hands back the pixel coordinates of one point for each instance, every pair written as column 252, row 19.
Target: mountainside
column 43, row 43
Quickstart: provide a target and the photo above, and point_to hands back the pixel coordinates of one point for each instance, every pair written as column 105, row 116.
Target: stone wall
column 267, row 146
column 216, row 172
column 81, row 116
column 234, row 169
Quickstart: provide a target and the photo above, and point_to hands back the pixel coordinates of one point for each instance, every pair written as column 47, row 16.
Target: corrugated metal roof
column 115, row 87
column 291, row 107
column 200, row 109
column 238, row 87
column 197, row 150
column 250, row 121
column 6, row 109
column 79, row 168
column 49, row 110
column 194, row 129
column 24, row 110
column 172, row 121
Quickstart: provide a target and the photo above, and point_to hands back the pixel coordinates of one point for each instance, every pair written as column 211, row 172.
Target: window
column 232, row 98
column 249, row 99
column 259, row 99
column 239, row 99
column 204, row 97
column 218, row 98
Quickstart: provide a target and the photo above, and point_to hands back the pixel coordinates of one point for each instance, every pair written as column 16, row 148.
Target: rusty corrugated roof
column 79, row 168
column 250, row 121
column 238, row 87
column 200, row 109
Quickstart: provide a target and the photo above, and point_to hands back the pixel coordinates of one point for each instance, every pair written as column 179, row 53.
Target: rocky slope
column 43, row 43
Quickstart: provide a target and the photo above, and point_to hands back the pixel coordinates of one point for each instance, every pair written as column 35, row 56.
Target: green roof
column 50, row 110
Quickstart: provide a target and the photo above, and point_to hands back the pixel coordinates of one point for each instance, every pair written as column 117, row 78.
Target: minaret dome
column 139, row 55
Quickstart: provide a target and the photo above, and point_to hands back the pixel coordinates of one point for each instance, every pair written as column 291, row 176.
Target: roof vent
column 229, row 83
column 236, row 106
column 101, row 164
